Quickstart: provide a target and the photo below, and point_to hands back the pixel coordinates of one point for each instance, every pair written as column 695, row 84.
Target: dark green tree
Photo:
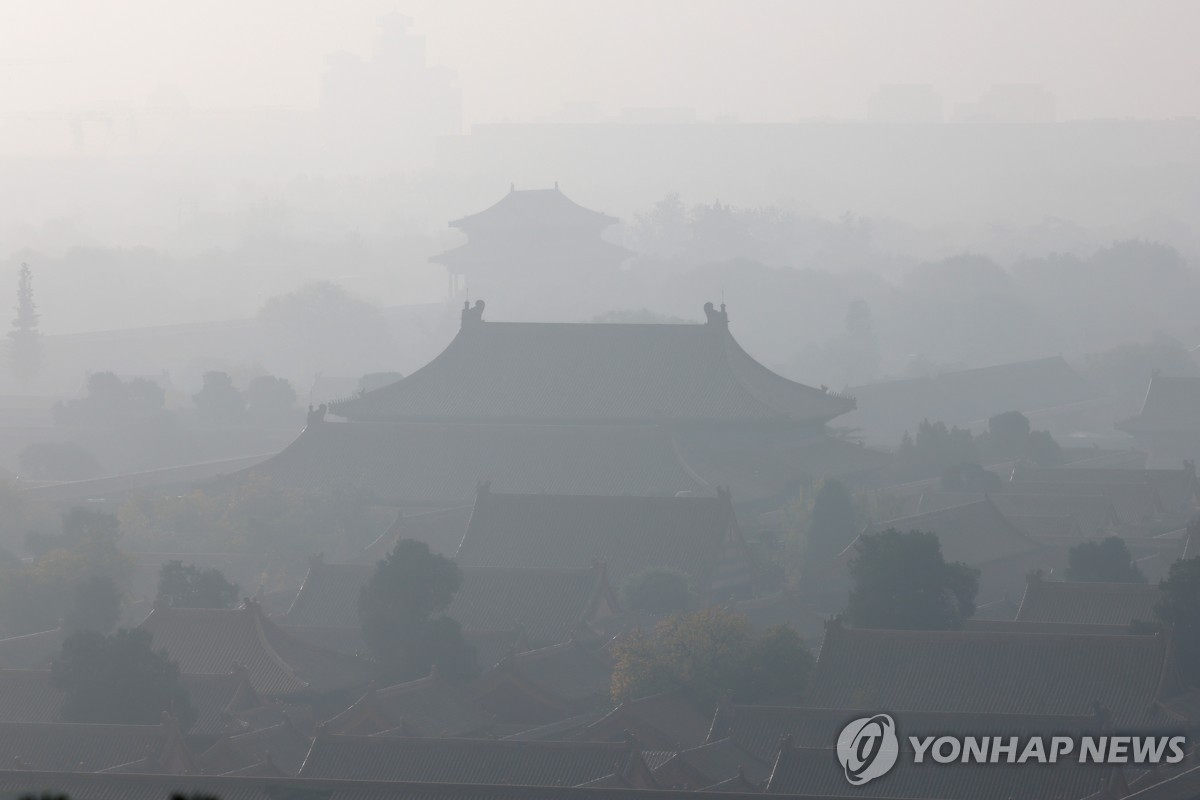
column 901, row 581
column 118, row 679
column 1042, row 450
column 268, row 399
column 78, row 525
column 58, row 461
column 400, row 611
column 219, row 402
column 1179, row 607
column 711, row 654
column 658, row 591
column 970, row 478
column 24, row 340
column 1106, row 561
column 187, row 586
column 831, row 525
column 1008, row 434
column 95, row 606
column 935, row 448
column 779, row 666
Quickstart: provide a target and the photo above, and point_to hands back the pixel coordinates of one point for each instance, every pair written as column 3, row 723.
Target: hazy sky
column 520, row 59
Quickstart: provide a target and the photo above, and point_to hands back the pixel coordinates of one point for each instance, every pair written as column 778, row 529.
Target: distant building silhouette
column 1013, row 102
column 531, row 234
column 391, row 105
column 911, row 103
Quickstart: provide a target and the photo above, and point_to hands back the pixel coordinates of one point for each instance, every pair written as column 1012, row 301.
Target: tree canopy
column 24, row 340
column 1179, row 607
column 41, row 594
column 902, row 581
column 219, row 402
column 832, row 523
column 95, row 606
column 58, row 461
column 187, row 586
column 268, row 398
column 118, row 679
column 1106, row 561
column 659, row 591
column 400, row 611
column 712, row 654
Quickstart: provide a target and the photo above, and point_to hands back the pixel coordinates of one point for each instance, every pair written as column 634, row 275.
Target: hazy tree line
column 898, row 579
column 837, row 301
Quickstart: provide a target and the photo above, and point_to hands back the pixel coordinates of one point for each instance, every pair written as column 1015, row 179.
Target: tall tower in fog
column 531, row 235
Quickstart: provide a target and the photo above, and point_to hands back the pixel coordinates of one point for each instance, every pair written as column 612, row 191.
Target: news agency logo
column 867, row 748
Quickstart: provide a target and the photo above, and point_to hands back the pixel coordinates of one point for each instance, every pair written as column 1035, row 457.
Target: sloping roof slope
column 212, row 641
column 548, row 604
column 157, row 787
column 487, row 761
column 594, row 372
column 969, row 396
column 1087, row 603
column 1172, row 405
column 428, row 707
column 816, row 772
column 994, row 673
column 439, row 466
column 762, row 729
column 663, row 721
column 523, row 209
column 73, row 747
column 628, row 534
column 975, row 533
column 1177, row 488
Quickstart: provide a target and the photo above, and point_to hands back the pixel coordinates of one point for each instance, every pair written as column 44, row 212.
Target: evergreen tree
column 1107, row 561
column 711, row 654
column 400, row 611
column 25, row 341
column 95, row 606
column 1180, row 609
column 119, row 679
column 902, row 581
column 831, row 525
column 658, row 591
column 187, row 586
column 219, row 402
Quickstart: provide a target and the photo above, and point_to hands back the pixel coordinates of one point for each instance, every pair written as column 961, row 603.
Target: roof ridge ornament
column 316, row 415
column 472, row 315
column 714, row 317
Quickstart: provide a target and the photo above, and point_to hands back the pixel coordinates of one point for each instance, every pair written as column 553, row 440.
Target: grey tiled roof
column 79, row 747
column 1088, row 603
column 975, row 533
column 1177, row 488
column 427, row 707
column 465, row 760
column 547, row 604
column 211, row 641
column 762, row 729
column 816, row 772
column 628, row 534
column 995, row 673
column 1172, row 405
column 159, row 787
column 592, row 372
column 439, row 466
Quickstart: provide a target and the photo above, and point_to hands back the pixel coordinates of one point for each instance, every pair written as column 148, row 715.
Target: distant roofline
column 467, row 220
column 968, row 371
column 716, row 319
